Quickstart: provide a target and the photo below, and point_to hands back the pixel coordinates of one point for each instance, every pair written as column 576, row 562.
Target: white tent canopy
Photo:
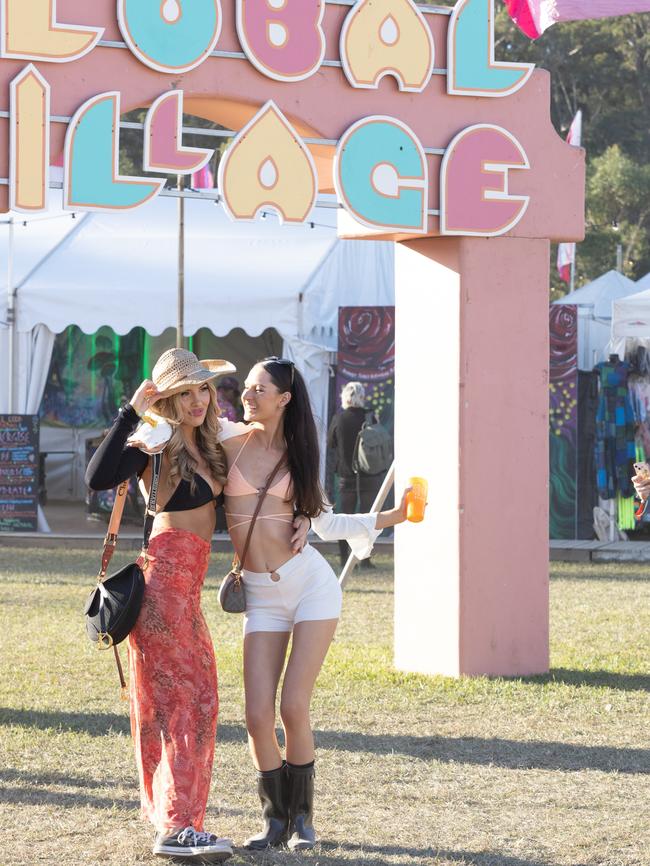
column 630, row 321
column 121, row 270
column 594, row 302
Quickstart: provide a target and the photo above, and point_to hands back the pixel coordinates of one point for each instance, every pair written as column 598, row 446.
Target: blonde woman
column 173, row 674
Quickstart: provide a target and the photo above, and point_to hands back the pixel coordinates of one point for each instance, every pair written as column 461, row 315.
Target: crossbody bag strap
column 113, row 528
column 110, row 542
column 150, row 513
column 238, row 564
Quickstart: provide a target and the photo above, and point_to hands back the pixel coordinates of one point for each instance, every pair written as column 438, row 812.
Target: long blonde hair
column 181, row 462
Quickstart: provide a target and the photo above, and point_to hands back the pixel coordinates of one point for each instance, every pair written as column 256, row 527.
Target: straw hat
column 179, row 368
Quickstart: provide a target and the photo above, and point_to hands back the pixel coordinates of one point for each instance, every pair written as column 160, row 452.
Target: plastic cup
column 416, row 499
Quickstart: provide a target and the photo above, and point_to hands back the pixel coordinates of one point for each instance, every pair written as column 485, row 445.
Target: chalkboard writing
column 18, row 473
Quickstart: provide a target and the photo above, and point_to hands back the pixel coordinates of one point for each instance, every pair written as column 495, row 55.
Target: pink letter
column 284, row 39
column 474, row 196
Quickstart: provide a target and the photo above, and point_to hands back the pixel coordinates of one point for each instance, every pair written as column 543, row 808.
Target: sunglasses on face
column 285, row 362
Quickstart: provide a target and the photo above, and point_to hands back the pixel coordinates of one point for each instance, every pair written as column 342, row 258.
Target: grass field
column 550, row 771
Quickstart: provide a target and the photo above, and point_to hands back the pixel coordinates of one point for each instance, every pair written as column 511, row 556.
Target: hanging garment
column 587, row 492
column 614, row 432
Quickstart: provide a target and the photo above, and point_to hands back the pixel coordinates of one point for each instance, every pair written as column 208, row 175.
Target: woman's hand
column 395, row 515
column 642, row 486
column 302, row 525
column 145, row 397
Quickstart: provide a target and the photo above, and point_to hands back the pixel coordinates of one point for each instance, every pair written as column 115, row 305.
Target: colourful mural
column 563, row 416
column 367, row 354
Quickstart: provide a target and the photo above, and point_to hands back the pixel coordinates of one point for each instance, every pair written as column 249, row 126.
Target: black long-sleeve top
column 114, row 462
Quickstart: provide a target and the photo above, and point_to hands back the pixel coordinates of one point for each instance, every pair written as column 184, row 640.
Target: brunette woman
column 173, row 675
column 288, row 596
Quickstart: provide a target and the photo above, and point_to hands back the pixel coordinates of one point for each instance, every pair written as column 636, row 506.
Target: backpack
column 373, row 450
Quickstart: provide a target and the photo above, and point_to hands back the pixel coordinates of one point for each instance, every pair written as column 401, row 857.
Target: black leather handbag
column 112, row 607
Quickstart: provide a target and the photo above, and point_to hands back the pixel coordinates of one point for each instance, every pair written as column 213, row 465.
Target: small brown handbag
column 232, row 593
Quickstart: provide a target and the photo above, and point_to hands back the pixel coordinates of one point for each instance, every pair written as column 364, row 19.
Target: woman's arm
column 359, row 530
column 113, row 462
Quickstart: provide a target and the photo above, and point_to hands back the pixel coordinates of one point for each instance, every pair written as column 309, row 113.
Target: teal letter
column 472, row 69
column 380, row 174
column 92, row 181
column 170, row 35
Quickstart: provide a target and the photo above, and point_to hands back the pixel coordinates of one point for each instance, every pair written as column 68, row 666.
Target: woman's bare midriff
column 270, row 544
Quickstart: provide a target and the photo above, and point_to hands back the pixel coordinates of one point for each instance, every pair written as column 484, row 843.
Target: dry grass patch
column 550, row 771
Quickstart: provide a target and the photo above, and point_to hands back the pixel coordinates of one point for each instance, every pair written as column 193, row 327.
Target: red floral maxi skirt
column 173, row 683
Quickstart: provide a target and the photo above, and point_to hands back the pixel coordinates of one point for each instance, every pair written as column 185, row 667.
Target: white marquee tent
column 594, row 302
column 631, row 320
column 120, row 270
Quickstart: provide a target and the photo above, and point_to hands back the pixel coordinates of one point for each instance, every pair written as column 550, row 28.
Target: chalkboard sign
column 18, row 473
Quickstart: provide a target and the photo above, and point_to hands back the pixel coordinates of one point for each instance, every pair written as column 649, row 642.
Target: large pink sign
column 404, row 111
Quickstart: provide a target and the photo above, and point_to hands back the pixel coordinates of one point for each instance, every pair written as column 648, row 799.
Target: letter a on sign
column 474, row 196
column 284, row 39
column 472, row 69
column 387, row 37
column 268, row 166
column 91, row 174
column 380, row 175
column 29, row 31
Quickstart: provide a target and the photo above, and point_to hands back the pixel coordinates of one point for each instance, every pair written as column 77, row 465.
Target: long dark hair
column 303, row 452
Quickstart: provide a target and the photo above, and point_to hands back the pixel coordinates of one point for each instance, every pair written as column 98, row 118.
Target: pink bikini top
column 237, row 485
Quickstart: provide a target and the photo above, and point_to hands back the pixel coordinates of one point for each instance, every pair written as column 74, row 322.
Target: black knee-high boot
column 301, row 806
column 272, row 788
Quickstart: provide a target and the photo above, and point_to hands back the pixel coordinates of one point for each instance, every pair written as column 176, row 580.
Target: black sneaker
column 188, row 844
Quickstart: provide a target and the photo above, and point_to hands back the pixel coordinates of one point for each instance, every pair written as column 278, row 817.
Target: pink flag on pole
column 535, row 16
column 566, row 253
column 203, row 179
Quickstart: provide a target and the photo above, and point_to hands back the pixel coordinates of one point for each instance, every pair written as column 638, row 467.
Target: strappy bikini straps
column 234, row 462
column 238, row 564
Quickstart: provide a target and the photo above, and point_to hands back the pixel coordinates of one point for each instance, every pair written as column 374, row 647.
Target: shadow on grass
column 34, row 789
column 424, row 855
column 508, row 754
column 605, row 679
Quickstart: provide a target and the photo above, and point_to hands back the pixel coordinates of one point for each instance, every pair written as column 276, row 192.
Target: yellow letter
column 268, row 165
column 387, row 37
column 29, row 31
column 29, row 141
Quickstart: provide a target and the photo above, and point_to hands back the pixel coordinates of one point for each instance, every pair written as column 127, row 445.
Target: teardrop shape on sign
column 268, row 174
column 385, row 180
column 278, row 34
column 170, row 11
column 389, row 31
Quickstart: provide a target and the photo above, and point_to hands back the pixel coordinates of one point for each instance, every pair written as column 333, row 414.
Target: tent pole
column 181, row 265
column 11, row 318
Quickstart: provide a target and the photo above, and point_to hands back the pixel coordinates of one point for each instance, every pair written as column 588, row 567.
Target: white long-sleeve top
column 359, row 530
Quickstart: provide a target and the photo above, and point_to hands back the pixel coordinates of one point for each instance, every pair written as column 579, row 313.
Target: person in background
column 228, row 397
column 355, row 495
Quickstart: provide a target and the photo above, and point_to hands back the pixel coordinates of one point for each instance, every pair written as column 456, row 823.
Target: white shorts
column 303, row 588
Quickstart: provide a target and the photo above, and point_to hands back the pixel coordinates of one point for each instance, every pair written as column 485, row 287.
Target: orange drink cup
column 417, row 499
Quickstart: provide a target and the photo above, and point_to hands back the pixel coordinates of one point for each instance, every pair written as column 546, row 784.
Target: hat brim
column 212, row 368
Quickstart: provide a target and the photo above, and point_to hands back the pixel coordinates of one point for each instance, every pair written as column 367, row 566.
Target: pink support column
column 471, row 582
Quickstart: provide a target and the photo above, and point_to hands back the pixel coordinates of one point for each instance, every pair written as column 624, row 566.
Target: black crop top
column 114, row 462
